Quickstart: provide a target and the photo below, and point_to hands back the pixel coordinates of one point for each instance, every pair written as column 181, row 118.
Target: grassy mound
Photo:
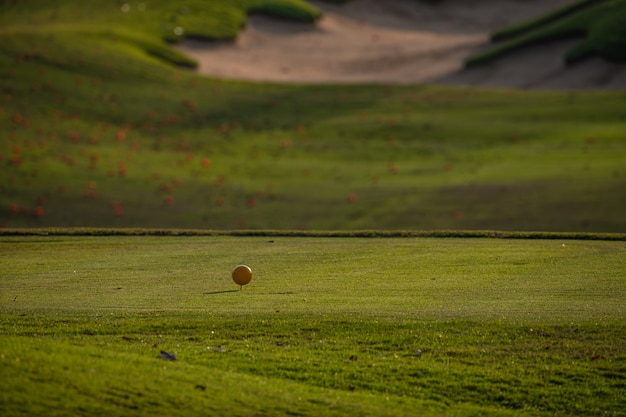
column 159, row 20
column 602, row 23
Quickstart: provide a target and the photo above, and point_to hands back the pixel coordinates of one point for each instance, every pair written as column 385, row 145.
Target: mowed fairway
column 328, row 326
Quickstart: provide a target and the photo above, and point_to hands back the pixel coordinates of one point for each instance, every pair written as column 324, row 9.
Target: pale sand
column 400, row 42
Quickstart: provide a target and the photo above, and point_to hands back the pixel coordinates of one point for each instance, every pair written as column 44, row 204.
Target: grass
column 601, row 24
column 292, row 156
column 337, row 326
column 102, row 131
column 102, row 134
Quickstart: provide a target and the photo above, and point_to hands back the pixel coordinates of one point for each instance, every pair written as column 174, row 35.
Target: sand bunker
column 402, row 42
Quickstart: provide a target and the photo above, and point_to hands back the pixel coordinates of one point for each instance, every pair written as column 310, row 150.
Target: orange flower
column 219, row 180
column 118, row 208
column 74, row 137
column 190, row 105
column 93, row 160
column 121, row 135
column 166, row 188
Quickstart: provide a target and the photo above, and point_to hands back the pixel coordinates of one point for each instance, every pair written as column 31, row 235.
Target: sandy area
column 400, row 41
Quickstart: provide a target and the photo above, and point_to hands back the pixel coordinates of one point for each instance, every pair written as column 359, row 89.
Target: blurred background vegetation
column 103, row 122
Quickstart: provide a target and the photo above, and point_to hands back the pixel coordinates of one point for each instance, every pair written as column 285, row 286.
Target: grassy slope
column 99, row 132
column 602, row 24
column 334, row 326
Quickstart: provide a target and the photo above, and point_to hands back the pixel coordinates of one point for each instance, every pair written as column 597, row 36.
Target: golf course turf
column 328, row 325
column 102, row 130
column 415, row 250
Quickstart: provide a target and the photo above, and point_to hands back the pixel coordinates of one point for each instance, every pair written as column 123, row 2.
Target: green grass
column 601, row 23
column 159, row 19
column 333, row 326
column 101, row 133
column 100, row 130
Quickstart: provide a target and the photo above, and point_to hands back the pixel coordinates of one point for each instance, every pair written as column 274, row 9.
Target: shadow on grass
column 219, row 292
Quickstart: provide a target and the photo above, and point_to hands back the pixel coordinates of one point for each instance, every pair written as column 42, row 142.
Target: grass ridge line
column 567, row 10
column 493, row 234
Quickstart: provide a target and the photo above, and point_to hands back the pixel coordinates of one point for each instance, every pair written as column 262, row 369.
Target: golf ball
column 242, row 274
